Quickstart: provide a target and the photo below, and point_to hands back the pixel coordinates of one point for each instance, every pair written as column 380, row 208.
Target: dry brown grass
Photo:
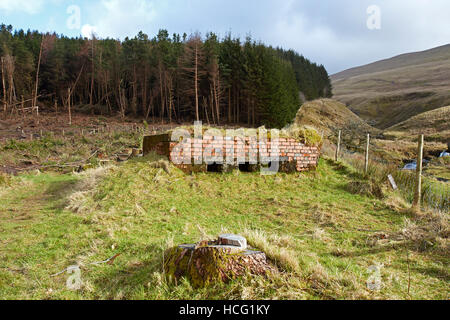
column 394, row 90
column 327, row 115
column 368, row 188
column 433, row 124
column 80, row 201
column 277, row 248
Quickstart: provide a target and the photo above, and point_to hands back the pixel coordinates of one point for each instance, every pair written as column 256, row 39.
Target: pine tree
column 178, row 77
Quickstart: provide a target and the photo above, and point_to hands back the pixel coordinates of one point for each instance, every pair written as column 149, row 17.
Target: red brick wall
column 290, row 150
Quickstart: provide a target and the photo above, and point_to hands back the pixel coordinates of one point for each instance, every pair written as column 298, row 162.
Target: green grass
column 322, row 238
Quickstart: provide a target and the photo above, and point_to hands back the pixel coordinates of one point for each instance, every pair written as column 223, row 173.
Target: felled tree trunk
column 213, row 263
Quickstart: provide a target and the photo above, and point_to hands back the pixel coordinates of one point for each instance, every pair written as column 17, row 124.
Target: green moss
column 203, row 266
column 304, row 134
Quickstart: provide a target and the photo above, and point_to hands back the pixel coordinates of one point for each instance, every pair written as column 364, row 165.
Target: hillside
column 434, row 124
column 391, row 91
column 395, row 144
column 329, row 115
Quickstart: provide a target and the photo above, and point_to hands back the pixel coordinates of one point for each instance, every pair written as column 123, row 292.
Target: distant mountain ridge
column 403, row 60
column 390, row 91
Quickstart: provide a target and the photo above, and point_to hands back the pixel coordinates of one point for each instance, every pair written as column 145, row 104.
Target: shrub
column 367, row 188
column 304, row 134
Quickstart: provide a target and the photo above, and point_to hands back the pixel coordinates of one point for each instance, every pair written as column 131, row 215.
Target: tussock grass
column 80, row 201
column 369, row 188
column 275, row 247
column 427, row 230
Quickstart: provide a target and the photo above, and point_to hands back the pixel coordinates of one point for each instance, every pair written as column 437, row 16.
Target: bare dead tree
column 91, row 92
column 214, row 78
column 196, row 78
column 37, row 75
column 170, row 95
column 144, row 90
column 5, row 95
column 134, row 89
column 161, row 88
column 69, row 94
column 10, row 69
column 193, row 62
column 122, row 101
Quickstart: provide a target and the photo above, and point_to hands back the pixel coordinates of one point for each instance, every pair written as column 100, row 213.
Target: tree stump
column 210, row 262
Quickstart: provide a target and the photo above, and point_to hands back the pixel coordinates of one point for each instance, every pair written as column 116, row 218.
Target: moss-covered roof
column 304, row 134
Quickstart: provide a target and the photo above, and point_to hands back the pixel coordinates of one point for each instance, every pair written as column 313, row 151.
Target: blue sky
column 329, row 32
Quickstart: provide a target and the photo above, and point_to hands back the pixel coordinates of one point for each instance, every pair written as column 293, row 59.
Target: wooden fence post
column 338, row 146
column 418, row 191
column 366, row 164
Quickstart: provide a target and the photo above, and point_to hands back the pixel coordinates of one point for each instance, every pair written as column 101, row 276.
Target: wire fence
column 435, row 194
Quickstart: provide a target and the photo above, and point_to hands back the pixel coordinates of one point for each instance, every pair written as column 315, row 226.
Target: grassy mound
column 329, row 115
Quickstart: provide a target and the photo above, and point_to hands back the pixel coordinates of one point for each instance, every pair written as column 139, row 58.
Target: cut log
column 213, row 263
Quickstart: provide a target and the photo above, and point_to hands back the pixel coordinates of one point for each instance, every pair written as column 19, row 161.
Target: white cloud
column 87, row 31
column 329, row 32
column 333, row 33
column 27, row 6
column 120, row 18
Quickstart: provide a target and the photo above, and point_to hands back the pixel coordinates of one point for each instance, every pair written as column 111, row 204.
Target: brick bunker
column 293, row 155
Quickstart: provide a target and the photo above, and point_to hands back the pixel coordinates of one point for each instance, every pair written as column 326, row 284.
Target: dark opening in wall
column 214, row 167
column 248, row 167
column 244, row 167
